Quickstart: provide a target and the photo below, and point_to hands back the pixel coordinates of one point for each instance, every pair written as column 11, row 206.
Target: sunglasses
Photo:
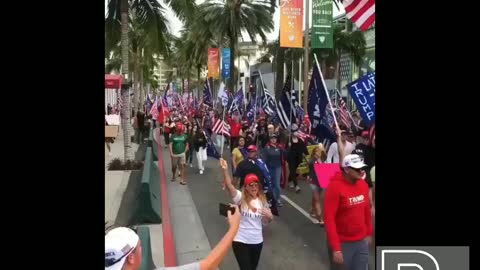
column 253, row 184
column 357, row 170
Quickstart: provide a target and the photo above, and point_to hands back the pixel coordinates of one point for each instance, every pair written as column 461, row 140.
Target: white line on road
column 314, row 221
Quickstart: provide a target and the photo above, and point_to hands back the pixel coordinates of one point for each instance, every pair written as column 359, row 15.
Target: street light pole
column 306, row 53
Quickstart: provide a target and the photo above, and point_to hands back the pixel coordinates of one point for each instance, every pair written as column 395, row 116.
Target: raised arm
column 228, row 180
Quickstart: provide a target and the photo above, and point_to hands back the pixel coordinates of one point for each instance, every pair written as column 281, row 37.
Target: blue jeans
column 276, row 174
column 190, row 156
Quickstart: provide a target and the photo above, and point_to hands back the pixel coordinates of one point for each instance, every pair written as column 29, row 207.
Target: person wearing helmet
column 178, row 147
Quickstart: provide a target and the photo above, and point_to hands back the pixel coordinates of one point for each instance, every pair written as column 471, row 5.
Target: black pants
column 247, row 255
column 166, row 135
column 292, row 167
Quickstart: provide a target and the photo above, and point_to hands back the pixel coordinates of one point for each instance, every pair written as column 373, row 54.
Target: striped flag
column 154, row 110
column 361, row 12
column 284, row 106
column 207, row 94
column 268, row 102
column 343, row 112
column 304, row 136
column 221, row 127
column 237, row 102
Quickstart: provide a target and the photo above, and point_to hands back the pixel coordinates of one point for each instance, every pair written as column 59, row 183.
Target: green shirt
column 179, row 143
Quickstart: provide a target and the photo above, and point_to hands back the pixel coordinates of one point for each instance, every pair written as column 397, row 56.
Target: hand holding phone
column 223, row 209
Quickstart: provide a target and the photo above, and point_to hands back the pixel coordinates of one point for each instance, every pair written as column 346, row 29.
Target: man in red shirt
column 347, row 216
column 235, row 127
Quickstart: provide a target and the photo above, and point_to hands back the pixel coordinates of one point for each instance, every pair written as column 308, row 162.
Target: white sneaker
column 191, row 165
column 201, row 171
column 291, row 185
column 297, row 189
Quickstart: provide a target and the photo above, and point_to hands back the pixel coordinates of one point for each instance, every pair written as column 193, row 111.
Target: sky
column 176, row 25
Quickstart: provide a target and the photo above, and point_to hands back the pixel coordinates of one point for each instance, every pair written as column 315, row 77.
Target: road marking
column 314, row 221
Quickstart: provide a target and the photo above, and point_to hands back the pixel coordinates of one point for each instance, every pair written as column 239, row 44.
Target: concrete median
column 148, row 211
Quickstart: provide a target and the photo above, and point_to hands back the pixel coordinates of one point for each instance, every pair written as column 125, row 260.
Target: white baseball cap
column 353, row 161
column 119, row 243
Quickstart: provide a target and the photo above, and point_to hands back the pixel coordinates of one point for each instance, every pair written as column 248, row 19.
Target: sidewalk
column 116, row 182
column 121, row 195
column 191, row 242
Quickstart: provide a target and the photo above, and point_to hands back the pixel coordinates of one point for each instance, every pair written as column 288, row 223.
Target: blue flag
column 267, row 186
column 284, row 105
column 207, row 94
column 211, row 149
column 363, row 94
column 319, row 113
column 237, row 102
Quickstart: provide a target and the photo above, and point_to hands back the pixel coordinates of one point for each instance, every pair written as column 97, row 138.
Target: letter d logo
column 423, row 258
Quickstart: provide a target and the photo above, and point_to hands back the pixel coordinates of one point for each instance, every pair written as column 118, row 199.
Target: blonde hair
column 246, row 197
column 323, row 153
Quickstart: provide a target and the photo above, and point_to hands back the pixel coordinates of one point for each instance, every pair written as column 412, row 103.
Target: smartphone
column 223, row 208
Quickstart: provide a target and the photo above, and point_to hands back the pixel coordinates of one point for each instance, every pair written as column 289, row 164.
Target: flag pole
column 326, row 91
column 292, row 90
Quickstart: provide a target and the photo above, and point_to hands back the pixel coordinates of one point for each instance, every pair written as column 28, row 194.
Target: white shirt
column 333, row 152
column 250, row 231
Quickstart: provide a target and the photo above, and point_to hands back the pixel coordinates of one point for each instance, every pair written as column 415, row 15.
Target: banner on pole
column 363, row 94
column 322, row 19
column 213, row 65
column 226, row 63
column 291, row 23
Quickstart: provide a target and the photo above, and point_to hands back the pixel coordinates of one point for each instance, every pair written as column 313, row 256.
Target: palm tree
column 351, row 43
column 227, row 19
column 150, row 13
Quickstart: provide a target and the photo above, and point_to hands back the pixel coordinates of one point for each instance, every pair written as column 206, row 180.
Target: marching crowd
column 265, row 158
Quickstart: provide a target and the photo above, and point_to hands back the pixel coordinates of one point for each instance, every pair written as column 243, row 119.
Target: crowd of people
column 264, row 159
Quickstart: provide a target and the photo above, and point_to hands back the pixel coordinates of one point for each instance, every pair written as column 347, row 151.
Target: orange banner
column 213, row 63
column 291, row 23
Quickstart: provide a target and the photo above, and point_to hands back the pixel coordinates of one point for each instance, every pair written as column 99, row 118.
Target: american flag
column 154, row 110
column 221, row 127
column 304, row 136
column 343, row 112
column 361, row 12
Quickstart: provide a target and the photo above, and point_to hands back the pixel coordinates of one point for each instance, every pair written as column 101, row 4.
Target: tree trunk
column 141, row 102
column 233, row 45
column 199, row 89
column 125, row 112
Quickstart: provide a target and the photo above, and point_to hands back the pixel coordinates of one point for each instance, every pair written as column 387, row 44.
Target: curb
column 169, row 250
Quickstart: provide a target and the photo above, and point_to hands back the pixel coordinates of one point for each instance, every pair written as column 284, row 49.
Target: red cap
column 251, row 148
column 250, row 178
column 179, row 127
